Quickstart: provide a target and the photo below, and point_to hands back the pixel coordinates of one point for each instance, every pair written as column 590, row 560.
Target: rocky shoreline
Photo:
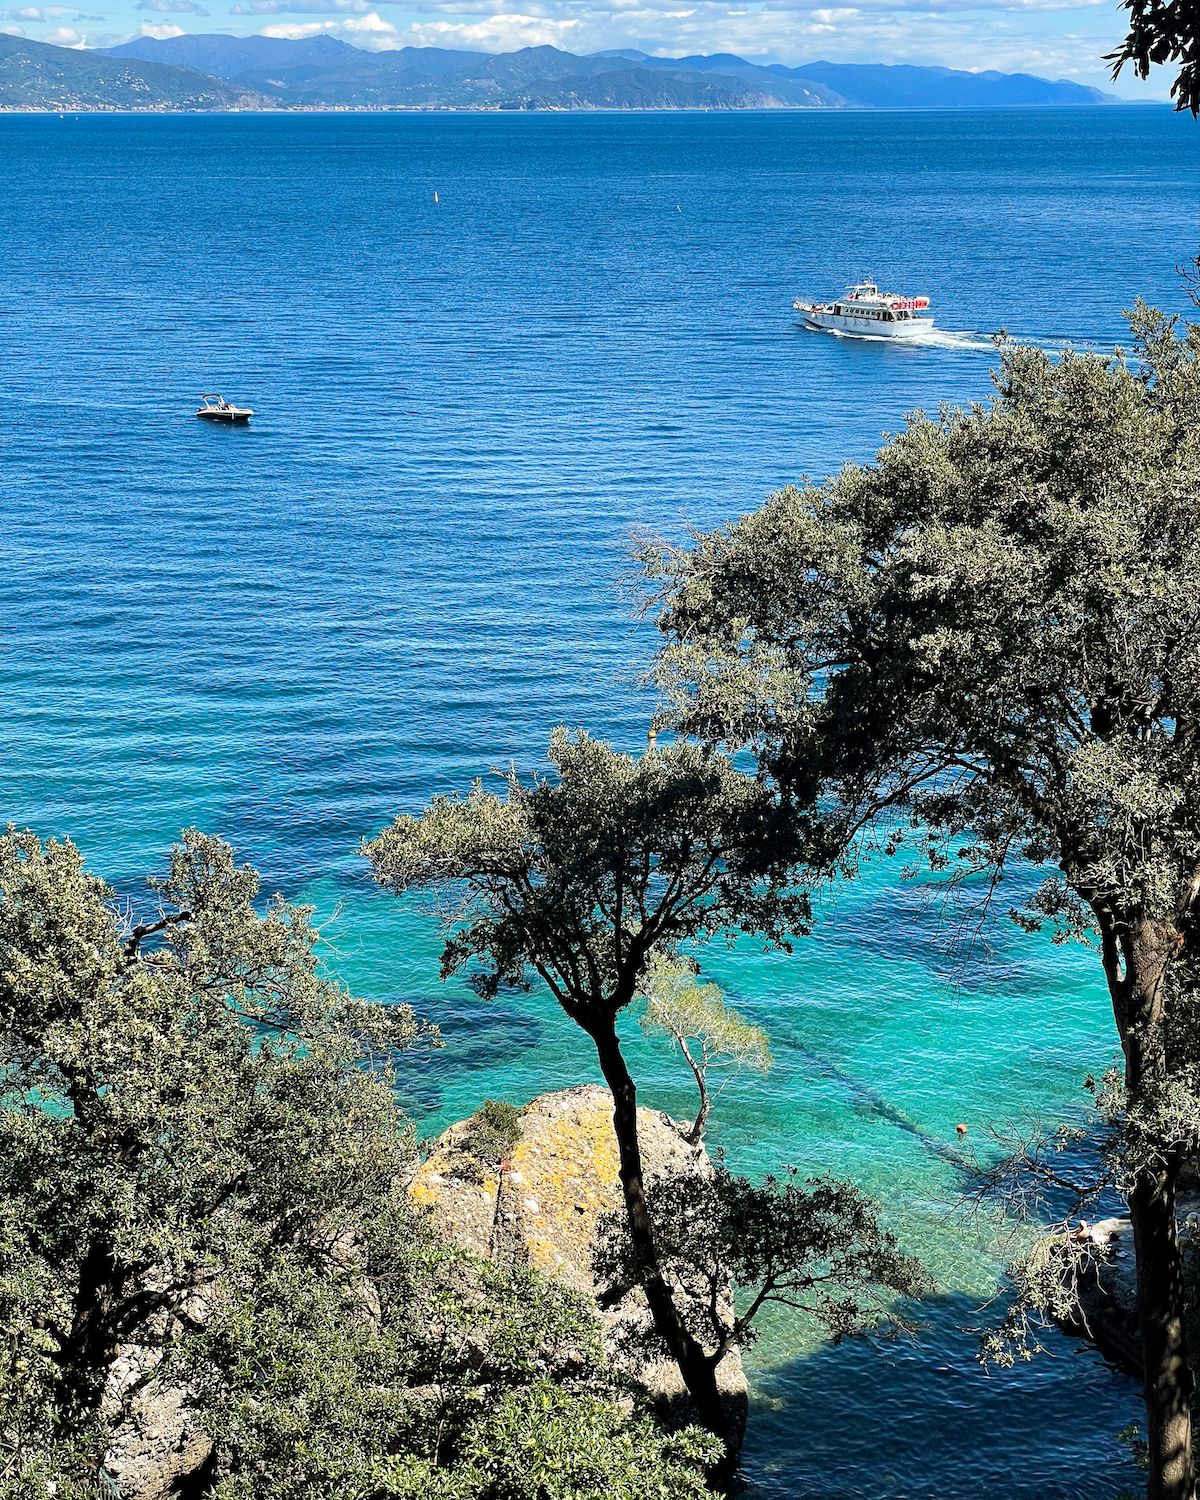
column 543, row 1203
column 1105, row 1284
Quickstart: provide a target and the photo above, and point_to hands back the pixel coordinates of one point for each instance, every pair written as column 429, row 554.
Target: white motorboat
column 217, row 409
column 865, row 311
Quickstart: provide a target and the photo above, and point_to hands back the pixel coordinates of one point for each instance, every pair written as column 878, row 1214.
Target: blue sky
column 1054, row 38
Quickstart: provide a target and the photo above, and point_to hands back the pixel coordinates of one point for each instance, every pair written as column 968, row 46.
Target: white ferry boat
column 866, row 311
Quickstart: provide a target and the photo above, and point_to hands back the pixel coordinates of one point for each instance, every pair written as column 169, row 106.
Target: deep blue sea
column 409, row 569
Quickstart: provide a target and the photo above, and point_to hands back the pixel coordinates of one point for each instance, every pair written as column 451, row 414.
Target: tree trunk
column 696, row 1369
column 1139, row 1001
column 696, row 1134
column 1160, row 1309
column 85, row 1353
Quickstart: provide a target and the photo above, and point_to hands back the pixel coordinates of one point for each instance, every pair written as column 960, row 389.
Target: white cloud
column 65, row 36
column 1053, row 38
column 499, row 33
column 299, row 7
column 370, row 31
column 160, row 33
column 1010, row 35
column 47, row 13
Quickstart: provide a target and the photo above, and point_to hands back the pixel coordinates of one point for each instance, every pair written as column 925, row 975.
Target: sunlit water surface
column 406, row 570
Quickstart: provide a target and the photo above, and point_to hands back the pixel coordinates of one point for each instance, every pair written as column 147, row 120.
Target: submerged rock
column 545, row 1204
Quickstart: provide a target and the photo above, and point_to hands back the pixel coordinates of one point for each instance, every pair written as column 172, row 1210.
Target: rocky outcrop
column 1100, row 1259
column 155, row 1444
column 540, row 1197
column 546, row 1201
column 1095, row 1266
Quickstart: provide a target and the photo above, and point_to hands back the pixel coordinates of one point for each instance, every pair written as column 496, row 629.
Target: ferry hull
column 863, row 328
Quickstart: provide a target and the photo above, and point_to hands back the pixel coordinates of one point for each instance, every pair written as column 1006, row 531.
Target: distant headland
column 258, row 72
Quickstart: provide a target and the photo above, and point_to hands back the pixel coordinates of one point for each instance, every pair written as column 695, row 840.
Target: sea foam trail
column 949, row 339
column 962, row 341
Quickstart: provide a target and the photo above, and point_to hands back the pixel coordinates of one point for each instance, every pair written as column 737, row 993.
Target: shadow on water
column 869, row 1101
column 920, row 1419
column 1078, row 1160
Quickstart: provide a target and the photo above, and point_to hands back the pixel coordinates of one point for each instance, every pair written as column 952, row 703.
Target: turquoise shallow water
column 406, row 570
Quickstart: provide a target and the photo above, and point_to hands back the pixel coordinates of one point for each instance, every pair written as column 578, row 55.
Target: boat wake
column 962, row 341
column 947, row 338
column 933, row 338
column 951, row 340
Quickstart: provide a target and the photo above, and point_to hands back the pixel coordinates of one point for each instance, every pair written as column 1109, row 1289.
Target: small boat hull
column 233, row 414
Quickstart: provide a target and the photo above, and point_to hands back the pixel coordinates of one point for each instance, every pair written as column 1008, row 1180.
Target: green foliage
column 538, row 1444
column 382, row 1381
column 985, row 642
column 1046, row 1292
column 698, row 1014
column 709, row 1033
column 815, row 1246
column 435, row 1375
column 201, row 1154
column 584, row 877
column 1162, row 31
column 490, row 1135
column 180, row 1092
column 992, row 628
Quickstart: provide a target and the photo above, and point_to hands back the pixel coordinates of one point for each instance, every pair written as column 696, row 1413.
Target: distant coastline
column 273, row 111
column 258, row 74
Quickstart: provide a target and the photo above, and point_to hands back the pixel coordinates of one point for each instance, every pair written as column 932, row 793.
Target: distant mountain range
column 259, row 72
column 34, row 75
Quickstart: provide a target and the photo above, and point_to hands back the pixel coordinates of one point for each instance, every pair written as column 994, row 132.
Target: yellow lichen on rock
column 563, row 1178
column 556, row 1187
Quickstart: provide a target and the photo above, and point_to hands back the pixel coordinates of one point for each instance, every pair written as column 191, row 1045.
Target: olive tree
column 709, row 1033
column 202, row 1158
column 993, row 632
column 173, row 1086
column 432, row 1375
column 582, row 879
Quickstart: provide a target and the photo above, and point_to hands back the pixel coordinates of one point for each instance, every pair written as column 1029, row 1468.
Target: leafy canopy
column 429, row 1376
column 582, row 877
column 696, row 1014
column 993, row 627
column 173, row 1087
column 1162, row 31
column 992, row 631
column 816, row 1246
column 202, row 1158
column 709, row 1033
